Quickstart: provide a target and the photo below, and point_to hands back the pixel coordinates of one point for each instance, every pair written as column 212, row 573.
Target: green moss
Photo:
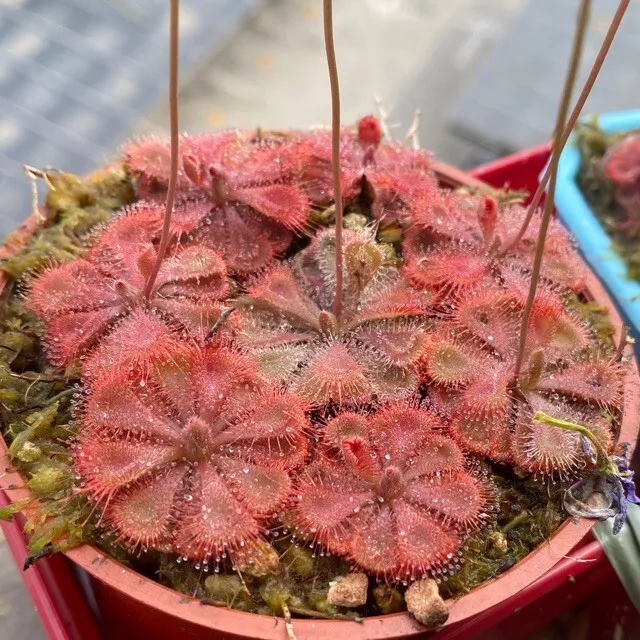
column 299, row 560
column 595, row 315
column 36, row 399
column 388, row 599
column 49, row 479
column 276, row 591
column 264, row 562
column 528, row 513
column 226, row 589
column 317, row 601
column 74, row 206
column 355, row 221
column 7, row 512
column 391, row 233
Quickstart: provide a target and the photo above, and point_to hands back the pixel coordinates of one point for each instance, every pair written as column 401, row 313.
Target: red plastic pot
column 133, row 606
column 517, row 172
column 53, row 588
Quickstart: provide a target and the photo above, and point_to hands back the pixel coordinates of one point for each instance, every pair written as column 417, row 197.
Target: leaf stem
column 37, row 377
column 573, row 118
column 522, row 517
column 173, row 122
column 602, row 461
column 288, row 622
column 581, row 27
column 335, row 147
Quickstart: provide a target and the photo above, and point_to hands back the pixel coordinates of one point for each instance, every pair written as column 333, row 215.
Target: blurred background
column 78, row 77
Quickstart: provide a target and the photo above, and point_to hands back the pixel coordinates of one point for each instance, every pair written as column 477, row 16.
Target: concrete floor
column 18, row 618
column 272, row 72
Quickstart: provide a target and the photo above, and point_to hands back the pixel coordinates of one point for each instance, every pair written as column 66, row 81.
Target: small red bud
column 369, row 131
column 488, row 218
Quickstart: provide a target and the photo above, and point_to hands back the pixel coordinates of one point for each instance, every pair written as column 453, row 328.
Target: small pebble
column 499, row 542
column 349, row 590
column 425, row 604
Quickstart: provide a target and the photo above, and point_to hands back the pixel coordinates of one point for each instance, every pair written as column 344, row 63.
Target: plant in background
column 608, row 178
column 621, row 165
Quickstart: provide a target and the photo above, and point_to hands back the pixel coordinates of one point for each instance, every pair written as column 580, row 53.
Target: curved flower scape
column 80, row 302
column 391, row 493
column 192, row 458
column 370, row 351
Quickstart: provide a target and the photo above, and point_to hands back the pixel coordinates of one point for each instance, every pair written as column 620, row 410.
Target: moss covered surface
column 600, row 193
column 37, row 404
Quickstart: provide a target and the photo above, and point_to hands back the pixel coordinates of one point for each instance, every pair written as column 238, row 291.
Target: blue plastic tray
column 578, row 217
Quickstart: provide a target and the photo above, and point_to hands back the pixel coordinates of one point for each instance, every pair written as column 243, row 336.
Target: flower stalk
column 558, row 144
column 335, row 147
column 174, row 32
column 577, row 109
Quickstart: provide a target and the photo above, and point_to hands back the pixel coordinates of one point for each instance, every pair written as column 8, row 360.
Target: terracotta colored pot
column 133, row 606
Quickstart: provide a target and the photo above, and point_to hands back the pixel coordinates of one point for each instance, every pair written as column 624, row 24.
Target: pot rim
column 261, row 627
